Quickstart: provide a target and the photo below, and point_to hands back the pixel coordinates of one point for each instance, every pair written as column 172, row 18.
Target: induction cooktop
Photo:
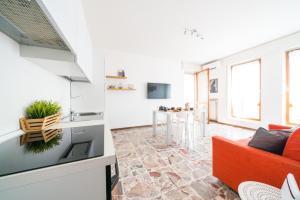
column 71, row 145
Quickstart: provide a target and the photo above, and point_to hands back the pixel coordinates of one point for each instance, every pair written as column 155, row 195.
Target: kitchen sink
column 87, row 114
column 83, row 116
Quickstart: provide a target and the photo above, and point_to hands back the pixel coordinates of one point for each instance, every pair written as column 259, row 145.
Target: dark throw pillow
column 271, row 141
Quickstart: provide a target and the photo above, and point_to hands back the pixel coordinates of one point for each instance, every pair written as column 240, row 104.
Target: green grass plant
column 41, row 109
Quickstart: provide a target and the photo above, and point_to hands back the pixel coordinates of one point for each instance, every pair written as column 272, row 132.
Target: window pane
column 203, row 88
column 189, row 89
column 294, row 94
column 245, row 90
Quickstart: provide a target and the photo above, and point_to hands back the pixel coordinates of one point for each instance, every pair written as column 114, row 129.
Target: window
column 293, row 87
column 245, row 90
column 189, row 89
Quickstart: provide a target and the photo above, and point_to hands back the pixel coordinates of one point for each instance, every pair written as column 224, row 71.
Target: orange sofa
column 235, row 162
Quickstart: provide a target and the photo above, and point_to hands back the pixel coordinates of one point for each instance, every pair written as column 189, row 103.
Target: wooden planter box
column 45, row 135
column 35, row 125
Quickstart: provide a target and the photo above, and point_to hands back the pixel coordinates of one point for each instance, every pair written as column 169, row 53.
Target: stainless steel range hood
column 26, row 23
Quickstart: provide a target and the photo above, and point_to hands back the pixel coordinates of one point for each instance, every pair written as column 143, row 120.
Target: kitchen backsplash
column 22, row 82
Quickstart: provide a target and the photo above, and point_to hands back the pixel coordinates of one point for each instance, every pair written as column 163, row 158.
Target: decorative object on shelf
column 39, row 116
column 41, row 146
column 120, row 86
column 111, row 87
column 213, row 86
column 121, row 73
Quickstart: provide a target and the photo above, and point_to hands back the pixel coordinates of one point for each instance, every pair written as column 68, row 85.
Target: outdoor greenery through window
column 293, row 86
column 245, row 90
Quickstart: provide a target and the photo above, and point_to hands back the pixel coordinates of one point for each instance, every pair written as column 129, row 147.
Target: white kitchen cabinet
column 67, row 17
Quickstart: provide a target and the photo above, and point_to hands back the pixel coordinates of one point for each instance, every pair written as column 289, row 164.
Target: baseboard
column 131, row 127
column 233, row 125
column 212, row 121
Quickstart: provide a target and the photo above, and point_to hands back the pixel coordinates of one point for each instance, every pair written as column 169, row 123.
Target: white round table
column 251, row 190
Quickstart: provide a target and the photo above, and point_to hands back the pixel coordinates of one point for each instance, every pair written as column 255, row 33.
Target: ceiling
column 156, row 27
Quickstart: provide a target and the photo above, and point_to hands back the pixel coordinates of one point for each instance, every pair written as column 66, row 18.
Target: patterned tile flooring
column 150, row 169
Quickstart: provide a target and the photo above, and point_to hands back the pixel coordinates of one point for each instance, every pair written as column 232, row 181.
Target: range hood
column 25, row 22
column 77, row 79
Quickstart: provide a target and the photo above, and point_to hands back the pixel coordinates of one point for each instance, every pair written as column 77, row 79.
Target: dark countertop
column 76, row 144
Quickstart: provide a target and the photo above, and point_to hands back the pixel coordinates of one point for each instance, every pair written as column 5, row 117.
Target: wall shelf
column 120, row 89
column 117, row 77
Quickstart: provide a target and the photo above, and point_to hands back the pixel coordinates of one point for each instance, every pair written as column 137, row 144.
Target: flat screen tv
column 158, row 91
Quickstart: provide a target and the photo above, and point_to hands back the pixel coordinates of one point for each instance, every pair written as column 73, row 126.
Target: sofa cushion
column 271, row 141
column 292, row 147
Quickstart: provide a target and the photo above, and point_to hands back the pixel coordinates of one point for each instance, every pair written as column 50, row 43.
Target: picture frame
column 213, row 85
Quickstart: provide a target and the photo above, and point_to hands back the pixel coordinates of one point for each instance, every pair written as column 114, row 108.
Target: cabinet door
column 68, row 19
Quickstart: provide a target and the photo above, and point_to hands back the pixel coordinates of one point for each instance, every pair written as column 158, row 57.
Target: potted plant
column 40, row 115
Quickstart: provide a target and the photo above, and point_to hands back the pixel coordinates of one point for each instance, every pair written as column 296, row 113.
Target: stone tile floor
column 150, row 169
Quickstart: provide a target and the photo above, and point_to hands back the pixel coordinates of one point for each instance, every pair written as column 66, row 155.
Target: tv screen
column 158, row 91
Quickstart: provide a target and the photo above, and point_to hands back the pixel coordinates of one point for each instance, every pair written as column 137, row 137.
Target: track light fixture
column 192, row 32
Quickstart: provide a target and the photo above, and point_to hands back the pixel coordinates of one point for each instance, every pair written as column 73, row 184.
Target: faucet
column 72, row 115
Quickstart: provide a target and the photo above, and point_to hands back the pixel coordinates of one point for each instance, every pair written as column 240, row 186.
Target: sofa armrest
column 234, row 163
column 278, row 127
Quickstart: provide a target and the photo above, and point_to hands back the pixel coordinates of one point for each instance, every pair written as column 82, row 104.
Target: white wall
column 191, row 68
column 22, row 82
column 87, row 97
column 132, row 108
column 272, row 56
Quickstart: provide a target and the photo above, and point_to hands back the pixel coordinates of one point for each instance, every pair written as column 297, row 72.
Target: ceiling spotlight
column 192, row 32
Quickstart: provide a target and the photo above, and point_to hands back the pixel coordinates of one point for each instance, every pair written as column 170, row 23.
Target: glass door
column 202, row 101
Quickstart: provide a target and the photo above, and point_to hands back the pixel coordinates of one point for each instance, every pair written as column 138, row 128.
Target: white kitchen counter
column 74, row 124
column 87, row 172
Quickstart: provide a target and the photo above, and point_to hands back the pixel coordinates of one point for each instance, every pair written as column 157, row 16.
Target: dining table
column 169, row 115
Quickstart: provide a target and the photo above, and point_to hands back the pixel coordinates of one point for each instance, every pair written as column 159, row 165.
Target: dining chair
column 184, row 131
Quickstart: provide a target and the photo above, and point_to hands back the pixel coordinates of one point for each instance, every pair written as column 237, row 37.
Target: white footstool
column 251, row 190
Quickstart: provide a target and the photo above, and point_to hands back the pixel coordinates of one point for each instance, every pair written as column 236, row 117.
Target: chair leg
column 178, row 132
column 192, row 135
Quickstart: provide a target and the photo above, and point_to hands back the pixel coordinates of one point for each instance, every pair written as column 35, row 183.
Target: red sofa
column 235, row 162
